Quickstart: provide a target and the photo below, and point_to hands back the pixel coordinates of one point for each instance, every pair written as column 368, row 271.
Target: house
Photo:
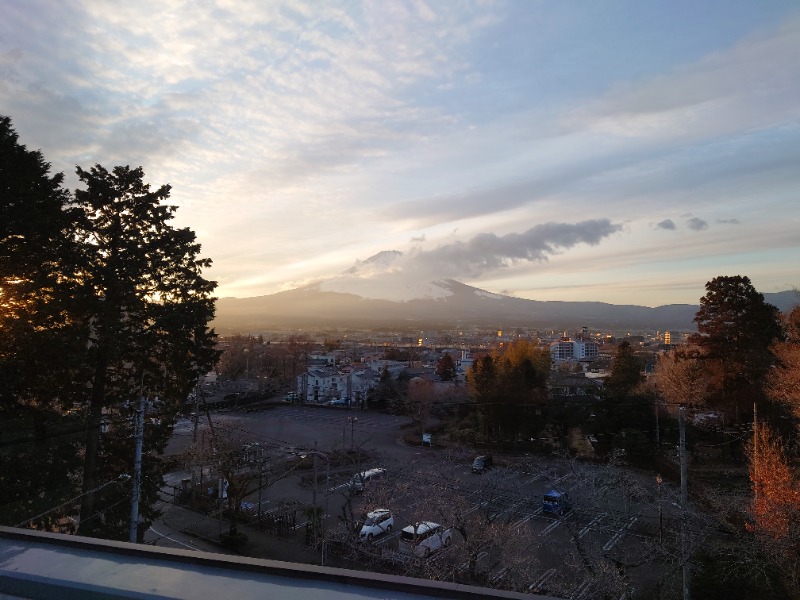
column 323, row 384
column 561, row 385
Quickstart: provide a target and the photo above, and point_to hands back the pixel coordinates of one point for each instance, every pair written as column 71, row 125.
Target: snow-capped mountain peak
column 383, row 277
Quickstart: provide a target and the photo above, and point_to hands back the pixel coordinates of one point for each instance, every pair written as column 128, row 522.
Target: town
column 399, row 300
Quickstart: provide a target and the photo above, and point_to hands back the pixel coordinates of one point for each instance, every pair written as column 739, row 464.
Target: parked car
column 556, row 502
column 378, row 522
column 422, row 539
column 482, row 463
column 337, row 402
column 361, row 480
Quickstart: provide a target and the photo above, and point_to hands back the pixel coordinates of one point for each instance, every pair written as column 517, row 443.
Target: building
column 323, row 384
column 569, row 349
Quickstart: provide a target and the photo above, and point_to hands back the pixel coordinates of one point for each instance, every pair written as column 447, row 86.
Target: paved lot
column 614, row 517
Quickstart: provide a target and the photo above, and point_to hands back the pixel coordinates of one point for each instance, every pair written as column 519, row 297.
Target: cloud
column 487, row 252
column 750, row 85
column 666, row 224
column 728, row 221
column 418, row 239
column 696, row 224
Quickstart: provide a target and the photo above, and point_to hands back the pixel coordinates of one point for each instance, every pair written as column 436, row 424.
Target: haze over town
column 619, row 152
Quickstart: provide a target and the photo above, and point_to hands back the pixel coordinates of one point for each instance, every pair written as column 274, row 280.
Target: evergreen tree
column 386, row 390
column 735, row 329
column 506, row 384
column 446, row 367
column 626, row 371
column 145, row 298
column 38, row 335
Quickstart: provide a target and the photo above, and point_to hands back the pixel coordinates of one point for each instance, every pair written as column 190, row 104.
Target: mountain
column 379, row 293
column 312, row 307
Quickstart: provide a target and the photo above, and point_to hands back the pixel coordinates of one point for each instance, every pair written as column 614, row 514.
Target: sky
column 617, row 151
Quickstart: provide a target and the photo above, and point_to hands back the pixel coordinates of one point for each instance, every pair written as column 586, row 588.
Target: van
column 555, row 502
column 360, row 480
column 378, row 522
column 422, row 539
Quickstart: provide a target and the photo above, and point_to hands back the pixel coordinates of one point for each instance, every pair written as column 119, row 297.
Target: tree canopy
column 735, row 329
column 103, row 300
column 143, row 292
column 446, row 367
column 783, row 381
column 626, row 371
column 506, row 385
column 37, row 331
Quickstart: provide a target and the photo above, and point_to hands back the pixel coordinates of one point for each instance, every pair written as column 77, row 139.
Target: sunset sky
column 620, row 151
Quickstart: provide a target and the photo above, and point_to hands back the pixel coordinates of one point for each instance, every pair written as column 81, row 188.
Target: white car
column 424, row 538
column 378, row 522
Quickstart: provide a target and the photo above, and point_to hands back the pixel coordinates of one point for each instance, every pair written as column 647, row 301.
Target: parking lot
column 618, row 519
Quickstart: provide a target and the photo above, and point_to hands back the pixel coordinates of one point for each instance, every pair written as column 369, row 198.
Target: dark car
column 482, row 463
column 556, row 502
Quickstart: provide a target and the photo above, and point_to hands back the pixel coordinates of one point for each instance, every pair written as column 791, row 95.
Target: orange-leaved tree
column 775, row 509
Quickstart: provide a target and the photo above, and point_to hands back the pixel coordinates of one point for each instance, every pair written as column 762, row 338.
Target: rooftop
column 41, row 565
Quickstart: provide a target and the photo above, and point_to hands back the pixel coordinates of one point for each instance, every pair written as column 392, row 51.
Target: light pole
column 660, row 512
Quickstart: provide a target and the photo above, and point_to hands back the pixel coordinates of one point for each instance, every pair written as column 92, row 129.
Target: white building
column 322, row 384
column 568, row 349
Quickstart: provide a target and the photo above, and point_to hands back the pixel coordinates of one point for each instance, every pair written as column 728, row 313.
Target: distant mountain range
column 390, row 301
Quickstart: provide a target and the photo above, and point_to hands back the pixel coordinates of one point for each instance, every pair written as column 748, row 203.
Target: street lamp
column 660, row 513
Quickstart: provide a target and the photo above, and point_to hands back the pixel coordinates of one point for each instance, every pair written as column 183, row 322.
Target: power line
column 120, row 479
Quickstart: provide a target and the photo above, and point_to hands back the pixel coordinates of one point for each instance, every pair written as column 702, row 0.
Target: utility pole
column 137, row 472
column 658, row 427
column 687, row 573
column 353, row 421
column 260, row 488
column 196, row 411
column 755, row 453
column 314, row 523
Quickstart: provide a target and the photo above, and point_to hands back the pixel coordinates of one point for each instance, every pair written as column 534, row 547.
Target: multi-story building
column 323, row 384
column 561, row 350
column 568, row 349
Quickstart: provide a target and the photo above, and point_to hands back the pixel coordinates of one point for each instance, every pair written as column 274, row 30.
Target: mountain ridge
column 464, row 306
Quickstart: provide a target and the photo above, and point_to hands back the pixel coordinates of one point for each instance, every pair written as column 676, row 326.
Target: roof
column 421, row 527
column 38, row 564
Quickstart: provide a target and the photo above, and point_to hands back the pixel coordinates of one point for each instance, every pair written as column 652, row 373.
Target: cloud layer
column 298, row 136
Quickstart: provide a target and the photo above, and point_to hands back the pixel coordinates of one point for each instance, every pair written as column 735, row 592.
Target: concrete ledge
column 36, row 564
